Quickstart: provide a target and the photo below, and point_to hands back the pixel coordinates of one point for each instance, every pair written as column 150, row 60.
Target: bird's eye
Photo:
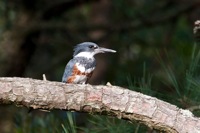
column 91, row 46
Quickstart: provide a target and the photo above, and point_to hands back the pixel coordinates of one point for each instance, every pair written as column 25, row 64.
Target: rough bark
column 107, row 100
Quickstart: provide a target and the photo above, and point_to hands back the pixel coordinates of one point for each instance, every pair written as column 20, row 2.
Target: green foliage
column 69, row 125
column 44, row 122
column 105, row 124
column 143, row 84
column 185, row 84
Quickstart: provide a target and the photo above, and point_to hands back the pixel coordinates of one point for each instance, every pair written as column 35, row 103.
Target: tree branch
column 107, row 100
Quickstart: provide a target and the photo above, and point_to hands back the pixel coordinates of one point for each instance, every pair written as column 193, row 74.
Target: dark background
column 156, row 50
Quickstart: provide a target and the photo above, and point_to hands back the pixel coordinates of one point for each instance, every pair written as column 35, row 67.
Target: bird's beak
column 104, row 50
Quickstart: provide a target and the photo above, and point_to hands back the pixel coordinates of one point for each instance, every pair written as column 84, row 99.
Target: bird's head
column 89, row 49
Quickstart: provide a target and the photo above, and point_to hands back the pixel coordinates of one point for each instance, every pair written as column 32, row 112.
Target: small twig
column 44, row 77
column 108, row 84
column 43, row 110
column 192, row 108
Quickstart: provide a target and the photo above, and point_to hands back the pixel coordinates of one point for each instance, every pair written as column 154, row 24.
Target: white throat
column 85, row 54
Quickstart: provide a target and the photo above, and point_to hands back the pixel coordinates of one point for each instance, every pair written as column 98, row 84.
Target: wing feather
column 83, row 64
column 68, row 70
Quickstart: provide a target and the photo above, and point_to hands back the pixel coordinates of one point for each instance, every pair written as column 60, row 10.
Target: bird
column 80, row 68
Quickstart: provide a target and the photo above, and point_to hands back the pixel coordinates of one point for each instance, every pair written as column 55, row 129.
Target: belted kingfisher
column 79, row 69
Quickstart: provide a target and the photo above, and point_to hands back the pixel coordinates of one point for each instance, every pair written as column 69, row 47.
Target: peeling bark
column 107, row 100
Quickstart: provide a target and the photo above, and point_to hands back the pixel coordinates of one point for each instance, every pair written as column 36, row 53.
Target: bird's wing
column 68, row 70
